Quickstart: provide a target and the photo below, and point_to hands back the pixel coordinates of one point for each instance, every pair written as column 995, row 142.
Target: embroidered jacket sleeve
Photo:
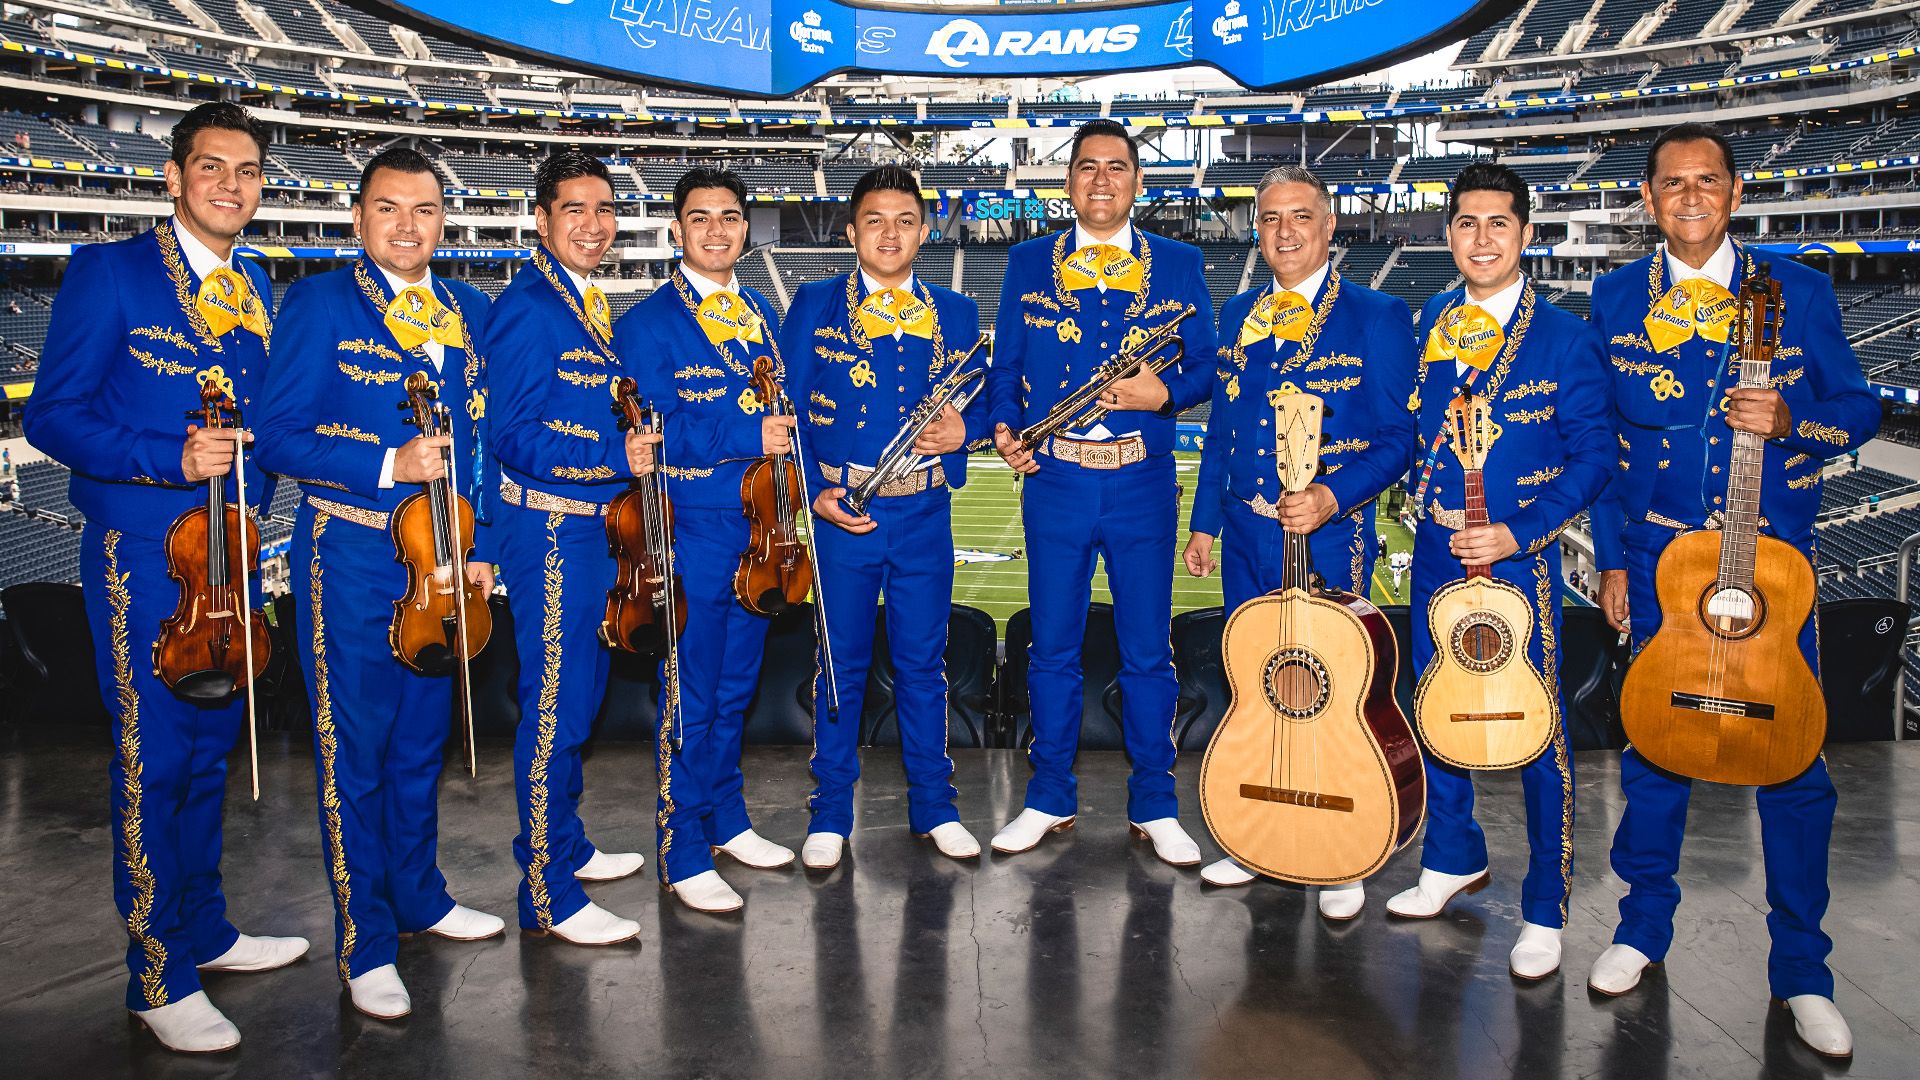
column 1191, row 381
column 977, row 416
column 1583, row 420
column 1009, row 357
column 1210, row 490
column 1388, row 381
column 1608, row 516
column 521, row 349
column 303, row 390
column 86, row 349
column 1844, row 413
column 797, row 344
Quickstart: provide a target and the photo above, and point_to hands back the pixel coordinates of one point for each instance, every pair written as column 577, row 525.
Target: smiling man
column 864, row 349
column 1542, row 372
column 1305, row 329
column 138, row 328
column 562, row 458
column 1677, row 408
column 343, row 348
column 1070, row 302
column 691, row 347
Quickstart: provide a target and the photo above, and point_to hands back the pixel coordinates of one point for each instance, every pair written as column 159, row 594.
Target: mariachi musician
column 1317, row 332
column 345, row 344
column 847, row 339
column 137, row 327
column 1540, row 369
column 691, row 347
column 1069, row 302
column 1675, row 419
column 552, row 373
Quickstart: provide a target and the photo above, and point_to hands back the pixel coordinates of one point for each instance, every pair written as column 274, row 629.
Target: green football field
column 991, row 552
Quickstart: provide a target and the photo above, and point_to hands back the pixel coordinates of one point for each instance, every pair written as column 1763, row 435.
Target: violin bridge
column 1311, row 799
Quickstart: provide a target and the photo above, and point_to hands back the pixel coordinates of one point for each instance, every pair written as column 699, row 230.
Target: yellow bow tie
column 725, row 317
column 599, row 315
column 226, row 301
column 1102, row 266
column 1284, row 315
column 1466, row 334
column 416, row 317
column 1695, row 306
column 883, row 311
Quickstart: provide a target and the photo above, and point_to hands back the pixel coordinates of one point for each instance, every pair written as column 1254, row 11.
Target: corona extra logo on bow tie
column 410, row 318
column 724, row 317
column 1284, row 315
column 1467, row 334
column 216, row 377
column 1665, row 386
column 226, row 302
column 1102, row 266
column 887, row 310
column 599, row 315
column 749, row 402
column 1068, row 331
column 1695, row 306
column 862, row 374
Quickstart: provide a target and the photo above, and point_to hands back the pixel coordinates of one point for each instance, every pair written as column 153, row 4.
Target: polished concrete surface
column 1086, row 957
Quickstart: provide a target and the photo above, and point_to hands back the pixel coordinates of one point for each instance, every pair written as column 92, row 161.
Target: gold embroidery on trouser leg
column 547, row 712
column 139, row 920
column 669, row 707
column 1543, row 601
column 329, row 743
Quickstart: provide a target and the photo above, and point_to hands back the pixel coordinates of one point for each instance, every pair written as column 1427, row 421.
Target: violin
column 647, row 596
column 442, row 620
column 775, row 571
column 214, row 644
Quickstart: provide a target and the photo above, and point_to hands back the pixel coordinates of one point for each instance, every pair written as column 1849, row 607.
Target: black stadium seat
column 1592, row 663
column 1204, row 693
column 969, row 664
column 1860, row 665
column 1100, row 668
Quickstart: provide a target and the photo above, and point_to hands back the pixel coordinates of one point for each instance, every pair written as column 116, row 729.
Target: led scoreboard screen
column 778, row 47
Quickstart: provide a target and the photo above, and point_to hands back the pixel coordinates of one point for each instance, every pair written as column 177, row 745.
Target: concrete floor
column 1086, row 957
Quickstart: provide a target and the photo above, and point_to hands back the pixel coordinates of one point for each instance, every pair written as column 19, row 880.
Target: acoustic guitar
column 1313, row 776
column 1722, row 691
column 1481, row 704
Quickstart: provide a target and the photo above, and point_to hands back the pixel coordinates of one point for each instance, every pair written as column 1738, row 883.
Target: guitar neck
column 1477, row 516
column 1296, row 572
column 1740, row 526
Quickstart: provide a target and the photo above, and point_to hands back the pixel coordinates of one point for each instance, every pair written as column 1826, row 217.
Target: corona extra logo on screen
column 813, row 37
column 1231, row 25
column 962, row 38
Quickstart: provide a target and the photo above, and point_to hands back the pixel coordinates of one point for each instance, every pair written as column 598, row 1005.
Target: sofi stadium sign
column 778, row 47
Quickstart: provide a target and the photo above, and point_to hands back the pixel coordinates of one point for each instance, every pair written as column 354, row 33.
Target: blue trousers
column 1454, row 843
column 702, row 802
column 1127, row 517
column 909, row 557
column 1253, row 550
column 557, row 572
column 379, row 732
column 1796, row 826
column 168, row 774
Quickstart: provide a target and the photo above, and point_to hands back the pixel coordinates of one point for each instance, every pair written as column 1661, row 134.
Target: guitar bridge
column 1485, row 717
column 1720, row 706
column 1311, row 799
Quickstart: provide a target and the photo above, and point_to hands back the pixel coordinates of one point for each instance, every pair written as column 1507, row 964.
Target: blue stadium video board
column 779, row 47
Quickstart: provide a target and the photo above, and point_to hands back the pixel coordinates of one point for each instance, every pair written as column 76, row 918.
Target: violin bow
column 813, row 558
column 459, row 571
column 675, row 716
column 246, row 603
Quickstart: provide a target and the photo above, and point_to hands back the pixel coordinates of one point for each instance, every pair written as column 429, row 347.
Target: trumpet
column 1154, row 352
column 898, row 461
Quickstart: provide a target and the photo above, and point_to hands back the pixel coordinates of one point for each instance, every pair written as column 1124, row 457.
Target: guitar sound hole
column 1482, row 642
column 1297, row 684
column 1731, row 613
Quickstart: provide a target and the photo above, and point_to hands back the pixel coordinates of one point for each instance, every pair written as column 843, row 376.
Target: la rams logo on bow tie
column 1102, row 266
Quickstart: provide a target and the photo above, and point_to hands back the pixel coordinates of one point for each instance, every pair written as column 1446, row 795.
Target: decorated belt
column 1715, row 520
column 1259, row 505
column 359, row 515
column 534, row 499
column 912, row 484
column 1096, row 455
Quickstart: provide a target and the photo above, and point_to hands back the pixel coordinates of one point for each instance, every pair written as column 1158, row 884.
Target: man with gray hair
column 1305, row 329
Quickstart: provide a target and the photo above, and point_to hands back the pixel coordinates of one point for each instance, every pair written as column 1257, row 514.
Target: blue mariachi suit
column 120, row 374
column 838, row 377
column 1675, row 448
column 1359, row 357
column 329, row 419
column 550, row 382
column 711, row 434
column 1549, row 393
column 1048, row 341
